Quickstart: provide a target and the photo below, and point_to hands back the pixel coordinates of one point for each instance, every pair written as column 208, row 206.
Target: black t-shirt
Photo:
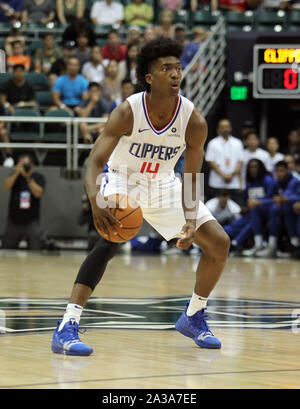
column 100, row 109
column 58, row 67
column 24, row 207
column 15, row 94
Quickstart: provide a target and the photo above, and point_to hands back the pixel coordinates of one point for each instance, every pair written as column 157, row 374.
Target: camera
column 27, row 167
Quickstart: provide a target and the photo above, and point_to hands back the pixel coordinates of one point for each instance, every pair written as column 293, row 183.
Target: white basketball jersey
column 147, row 150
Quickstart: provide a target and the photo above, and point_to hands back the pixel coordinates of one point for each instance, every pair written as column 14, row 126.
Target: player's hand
column 187, row 233
column 104, row 220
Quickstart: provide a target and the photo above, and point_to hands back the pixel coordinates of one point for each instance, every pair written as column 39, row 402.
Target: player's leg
column 215, row 244
column 65, row 339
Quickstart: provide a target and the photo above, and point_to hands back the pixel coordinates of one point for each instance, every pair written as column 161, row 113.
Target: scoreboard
column 276, row 71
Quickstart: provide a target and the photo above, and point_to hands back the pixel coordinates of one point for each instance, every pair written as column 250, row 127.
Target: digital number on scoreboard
column 276, row 69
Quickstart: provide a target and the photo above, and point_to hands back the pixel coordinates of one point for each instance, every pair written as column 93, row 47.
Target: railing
column 204, row 85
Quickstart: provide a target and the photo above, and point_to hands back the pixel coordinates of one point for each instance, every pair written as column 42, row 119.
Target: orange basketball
column 129, row 213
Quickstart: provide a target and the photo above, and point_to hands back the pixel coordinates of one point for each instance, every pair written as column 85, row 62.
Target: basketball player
column 154, row 127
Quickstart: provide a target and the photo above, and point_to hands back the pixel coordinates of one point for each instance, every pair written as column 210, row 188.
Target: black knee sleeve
column 93, row 267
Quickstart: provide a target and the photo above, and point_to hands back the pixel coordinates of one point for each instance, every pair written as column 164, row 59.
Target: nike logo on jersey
column 142, row 130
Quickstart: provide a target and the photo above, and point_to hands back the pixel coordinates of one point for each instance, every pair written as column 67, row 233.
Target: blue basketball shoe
column 67, row 341
column 196, row 327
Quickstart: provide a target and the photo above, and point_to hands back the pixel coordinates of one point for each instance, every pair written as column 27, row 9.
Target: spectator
column 199, row 4
column 59, row 67
column 247, row 127
column 111, row 86
column 259, row 184
column 293, row 145
column 134, row 36
column 8, row 161
column 46, row 55
column 38, row 11
column 166, row 27
column 173, row 5
column 223, row 208
column 86, row 217
column 93, row 70
column 285, row 192
column 18, row 57
column 78, row 26
column 149, row 35
column 190, row 50
column 17, row 92
column 71, row 88
column 127, row 68
column 274, row 4
column 292, row 165
column 253, row 151
column 27, row 188
column 82, row 51
column 10, row 11
column 274, row 155
column 13, row 36
column 138, row 13
column 95, row 106
column 225, row 158
column 108, row 12
column 69, row 10
column 294, row 5
column 127, row 89
column 296, row 210
column 114, row 50
column 180, row 34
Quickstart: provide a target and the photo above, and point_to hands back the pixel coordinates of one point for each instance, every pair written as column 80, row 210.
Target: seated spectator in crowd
column 259, row 184
column 224, row 155
column 253, row 151
column 26, row 189
column 59, row 67
column 180, row 34
column 294, row 5
column 93, row 70
column 111, row 85
column 285, row 192
column 127, row 89
column 134, row 36
column 223, row 208
column 69, row 10
column 199, row 4
column 95, row 106
column 78, row 26
column 148, row 35
column 8, row 161
column 114, row 50
column 18, row 57
column 239, row 6
column 192, row 47
column 293, row 145
column 166, row 26
column 274, row 155
column 10, row 11
column 296, row 209
column 13, row 36
column 127, row 68
column 107, row 12
column 86, row 217
column 272, row 5
column 46, row 56
column 173, row 5
column 17, row 92
column 247, row 127
column 38, row 11
column 71, row 88
column 82, row 50
column 292, row 165
column 138, row 13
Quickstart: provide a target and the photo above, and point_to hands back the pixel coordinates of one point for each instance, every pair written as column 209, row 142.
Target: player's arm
column 119, row 123
column 196, row 134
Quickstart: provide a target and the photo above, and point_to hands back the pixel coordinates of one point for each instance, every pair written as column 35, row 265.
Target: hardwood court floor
column 130, row 321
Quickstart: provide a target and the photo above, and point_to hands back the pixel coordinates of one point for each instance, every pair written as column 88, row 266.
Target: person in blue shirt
column 284, row 193
column 10, row 11
column 71, row 88
column 259, row 185
column 191, row 48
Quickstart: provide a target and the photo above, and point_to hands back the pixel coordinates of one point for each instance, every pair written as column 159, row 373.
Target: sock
column 196, row 304
column 72, row 311
column 295, row 241
column 272, row 242
column 258, row 240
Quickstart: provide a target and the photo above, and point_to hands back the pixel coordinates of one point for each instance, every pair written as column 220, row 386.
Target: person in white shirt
column 224, row 155
column 93, row 70
column 253, row 151
column 224, row 209
column 274, row 155
column 107, row 12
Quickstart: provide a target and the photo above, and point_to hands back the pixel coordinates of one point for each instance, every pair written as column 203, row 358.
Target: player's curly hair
column 160, row 47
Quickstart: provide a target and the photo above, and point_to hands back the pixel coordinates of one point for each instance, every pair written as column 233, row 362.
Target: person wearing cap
column 107, row 12
column 59, row 67
column 133, row 35
column 138, row 13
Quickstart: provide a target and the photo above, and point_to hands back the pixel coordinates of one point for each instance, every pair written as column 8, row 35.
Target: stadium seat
column 21, row 131
column 38, row 81
column 182, row 16
column 270, row 17
column 240, row 19
column 44, row 98
column 55, row 132
column 34, row 45
column 5, row 77
column 204, row 17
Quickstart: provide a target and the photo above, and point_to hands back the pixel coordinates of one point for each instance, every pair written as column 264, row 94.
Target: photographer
column 27, row 187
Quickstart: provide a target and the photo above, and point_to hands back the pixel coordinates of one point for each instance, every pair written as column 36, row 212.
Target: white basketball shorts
column 161, row 202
